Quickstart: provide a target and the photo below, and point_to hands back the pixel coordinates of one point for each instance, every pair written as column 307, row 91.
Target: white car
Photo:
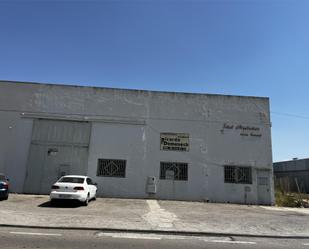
column 74, row 187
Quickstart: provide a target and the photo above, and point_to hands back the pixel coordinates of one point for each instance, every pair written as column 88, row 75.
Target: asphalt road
column 14, row 238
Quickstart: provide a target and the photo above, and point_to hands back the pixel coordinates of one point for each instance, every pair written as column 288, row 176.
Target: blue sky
column 251, row 47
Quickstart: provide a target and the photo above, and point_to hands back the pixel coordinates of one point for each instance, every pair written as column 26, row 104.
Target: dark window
column 174, row 171
column 89, row 181
column 236, row 174
column 72, row 179
column 111, row 168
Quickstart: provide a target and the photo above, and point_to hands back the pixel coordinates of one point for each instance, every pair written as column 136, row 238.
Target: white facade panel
column 15, row 140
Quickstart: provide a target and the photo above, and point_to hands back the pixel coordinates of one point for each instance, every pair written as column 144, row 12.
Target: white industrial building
column 137, row 144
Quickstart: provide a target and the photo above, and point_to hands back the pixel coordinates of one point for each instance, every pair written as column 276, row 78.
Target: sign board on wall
column 174, row 141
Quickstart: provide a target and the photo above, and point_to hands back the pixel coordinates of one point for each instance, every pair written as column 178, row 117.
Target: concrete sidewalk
column 156, row 216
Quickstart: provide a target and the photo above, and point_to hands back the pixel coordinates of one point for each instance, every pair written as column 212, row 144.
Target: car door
column 91, row 187
column 94, row 187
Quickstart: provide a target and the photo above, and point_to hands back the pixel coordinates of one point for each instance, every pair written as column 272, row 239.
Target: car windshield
column 2, row 178
column 72, row 179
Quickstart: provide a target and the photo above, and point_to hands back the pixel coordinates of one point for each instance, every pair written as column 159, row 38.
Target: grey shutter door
column 57, row 148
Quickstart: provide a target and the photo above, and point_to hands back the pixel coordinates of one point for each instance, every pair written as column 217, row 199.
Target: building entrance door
column 57, row 148
column 263, row 187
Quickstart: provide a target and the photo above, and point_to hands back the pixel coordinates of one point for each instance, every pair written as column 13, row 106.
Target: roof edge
column 132, row 89
column 296, row 160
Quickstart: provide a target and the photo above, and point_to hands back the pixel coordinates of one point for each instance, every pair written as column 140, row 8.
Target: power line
column 289, row 115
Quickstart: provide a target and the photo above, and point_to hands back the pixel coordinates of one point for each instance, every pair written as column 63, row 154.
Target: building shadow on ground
column 61, row 204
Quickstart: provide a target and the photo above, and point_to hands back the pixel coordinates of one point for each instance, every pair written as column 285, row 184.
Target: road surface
column 17, row 238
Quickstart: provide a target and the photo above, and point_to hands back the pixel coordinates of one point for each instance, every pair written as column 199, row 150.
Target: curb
column 162, row 232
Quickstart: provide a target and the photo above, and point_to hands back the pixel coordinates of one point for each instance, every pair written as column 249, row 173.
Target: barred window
column 111, row 168
column 236, row 174
column 174, row 171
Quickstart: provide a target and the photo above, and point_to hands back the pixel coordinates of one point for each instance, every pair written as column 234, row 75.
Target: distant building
column 293, row 175
column 137, row 144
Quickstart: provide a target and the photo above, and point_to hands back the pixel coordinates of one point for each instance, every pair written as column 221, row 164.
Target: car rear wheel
column 87, row 200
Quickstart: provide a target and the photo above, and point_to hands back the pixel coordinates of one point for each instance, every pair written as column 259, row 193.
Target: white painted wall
column 202, row 116
column 15, row 134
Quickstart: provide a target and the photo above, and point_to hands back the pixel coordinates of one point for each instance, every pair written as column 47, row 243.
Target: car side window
column 89, row 181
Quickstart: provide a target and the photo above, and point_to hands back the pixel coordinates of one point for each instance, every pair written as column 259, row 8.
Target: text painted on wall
column 245, row 130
